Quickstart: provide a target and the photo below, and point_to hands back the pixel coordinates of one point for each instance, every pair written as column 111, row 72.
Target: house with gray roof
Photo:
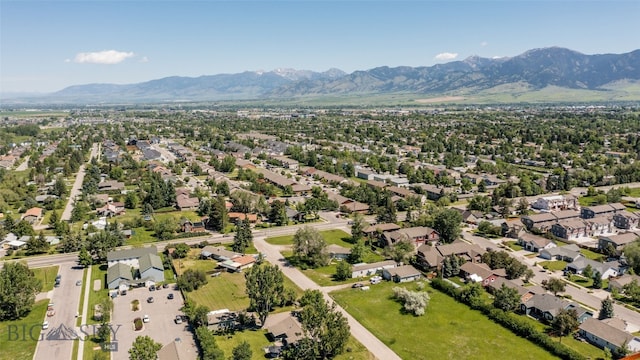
column 151, row 268
column 606, row 270
column 604, row 335
column 589, row 212
column 364, row 269
column 546, row 307
column 401, row 274
column 119, row 276
column 129, row 256
column 417, row 235
column 534, row 243
column 617, row 241
column 218, row 253
column 566, row 253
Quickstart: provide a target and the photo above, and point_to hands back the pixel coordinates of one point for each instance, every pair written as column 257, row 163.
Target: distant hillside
column 533, row 72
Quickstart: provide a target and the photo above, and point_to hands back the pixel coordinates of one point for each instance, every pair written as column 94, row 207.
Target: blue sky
column 47, row 45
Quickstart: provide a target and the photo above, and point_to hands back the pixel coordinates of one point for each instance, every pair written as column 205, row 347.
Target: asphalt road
column 77, row 186
column 57, row 341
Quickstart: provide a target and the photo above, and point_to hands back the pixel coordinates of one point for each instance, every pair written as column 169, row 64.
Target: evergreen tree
column 606, row 309
column 218, row 217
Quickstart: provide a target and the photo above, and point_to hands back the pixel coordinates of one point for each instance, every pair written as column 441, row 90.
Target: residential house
column 619, row 282
column 184, row 202
column 469, row 252
column 129, row 256
column 365, row 174
column 606, row 336
column 371, row 230
column 151, row 268
column 566, row 253
column 237, row 264
column 480, row 272
column 119, row 276
column 599, row 225
column 571, row 229
column 189, row 226
column 433, row 192
column 338, row 252
column 283, row 331
column 525, row 292
column 33, row 215
column 546, row 307
column 110, row 185
column 606, row 270
column 364, row 269
column 617, row 241
column 235, row 217
column 626, row 220
column 429, row 258
column 178, row 350
column 589, row 212
column 401, row 274
column 218, row 253
column 352, row 206
column 534, row 243
column 555, row 203
column 416, row 235
column 541, row 222
column 111, row 209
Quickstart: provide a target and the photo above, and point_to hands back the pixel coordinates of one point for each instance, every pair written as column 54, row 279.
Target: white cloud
column 144, row 59
column 484, row 43
column 446, row 56
column 108, row 57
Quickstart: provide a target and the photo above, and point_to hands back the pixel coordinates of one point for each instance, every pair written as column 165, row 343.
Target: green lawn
column 513, row 245
column 337, row 237
column 22, row 348
column 448, row 330
column 226, row 291
column 586, row 282
column 257, row 339
column 553, row 265
column 141, row 236
column 47, row 275
column 592, row 255
column 169, row 276
column 95, row 297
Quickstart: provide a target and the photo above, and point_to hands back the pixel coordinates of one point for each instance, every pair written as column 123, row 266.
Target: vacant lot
column 24, row 347
column 448, row 330
column 257, row 339
column 337, row 237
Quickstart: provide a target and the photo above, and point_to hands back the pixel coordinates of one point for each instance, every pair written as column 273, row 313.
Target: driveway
column 161, row 326
column 55, row 342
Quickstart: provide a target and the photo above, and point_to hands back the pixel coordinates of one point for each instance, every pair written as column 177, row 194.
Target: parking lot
column 161, row 326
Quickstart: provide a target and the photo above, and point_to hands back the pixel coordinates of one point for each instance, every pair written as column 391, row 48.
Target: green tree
column 357, row 252
column 18, row 289
column 278, row 213
column 243, row 238
column 343, row 271
column 54, row 218
column 218, row 217
column 356, row 227
column 447, row 223
column 144, row 348
column 84, row 258
column 324, row 325
column 103, row 332
column 59, row 187
column 265, row 287
column 208, row 344
column 399, row 251
column 606, row 309
column 165, row 228
column 242, row 351
column 414, row 302
column 309, row 247
column 632, row 290
column 131, row 200
column 565, row 322
column 597, row 280
column 587, row 271
column 181, row 250
column 37, row 244
column 555, row 285
column 506, row 298
column 451, row 266
column 192, row 279
column 632, row 254
column 470, row 293
column 23, row 228
column 227, row 164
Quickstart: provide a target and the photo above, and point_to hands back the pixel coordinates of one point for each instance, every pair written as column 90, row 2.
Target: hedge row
column 190, row 235
column 517, row 325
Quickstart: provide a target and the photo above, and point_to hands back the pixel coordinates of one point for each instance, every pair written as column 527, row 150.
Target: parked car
column 178, row 319
column 357, row 285
column 145, row 318
column 170, row 296
column 150, row 299
column 79, row 283
column 45, row 325
column 165, row 285
column 152, row 288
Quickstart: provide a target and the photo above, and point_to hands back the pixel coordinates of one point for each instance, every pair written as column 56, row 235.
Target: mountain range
column 533, row 70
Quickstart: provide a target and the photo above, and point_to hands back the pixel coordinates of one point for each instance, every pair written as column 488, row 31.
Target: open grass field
column 257, row 339
column 337, row 237
column 592, row 255
column 24, row 346
column 226, row 291
column 448, row 330
column 513, row 245
column 47, row 276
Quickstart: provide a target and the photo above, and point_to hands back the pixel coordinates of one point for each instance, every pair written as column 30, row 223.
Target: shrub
column 137, row 323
